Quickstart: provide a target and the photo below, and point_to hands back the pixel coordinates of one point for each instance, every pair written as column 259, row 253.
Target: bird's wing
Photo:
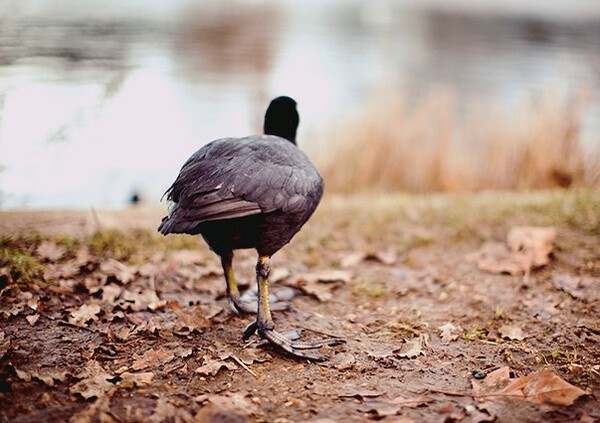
column 232, row 177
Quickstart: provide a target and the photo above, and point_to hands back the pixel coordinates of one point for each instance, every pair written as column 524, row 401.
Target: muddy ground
column 101, row 323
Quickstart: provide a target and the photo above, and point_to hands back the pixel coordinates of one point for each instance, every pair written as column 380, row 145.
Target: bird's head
column 281, row 118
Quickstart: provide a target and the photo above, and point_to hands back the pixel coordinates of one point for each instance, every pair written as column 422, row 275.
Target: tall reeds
column 440, row 144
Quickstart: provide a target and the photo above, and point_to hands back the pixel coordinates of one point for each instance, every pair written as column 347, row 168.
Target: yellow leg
column 233, row 291
column 262, row 277
column 264, row 322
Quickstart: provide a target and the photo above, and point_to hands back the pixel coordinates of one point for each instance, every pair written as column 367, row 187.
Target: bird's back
column 235, row 178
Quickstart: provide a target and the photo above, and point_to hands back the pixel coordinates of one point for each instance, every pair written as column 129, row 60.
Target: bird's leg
column 264, row 322
column 237, row 305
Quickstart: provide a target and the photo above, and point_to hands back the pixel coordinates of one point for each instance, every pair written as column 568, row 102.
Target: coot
column 253, row 192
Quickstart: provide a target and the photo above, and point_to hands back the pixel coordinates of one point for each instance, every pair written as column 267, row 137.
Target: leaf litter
column 153, row 326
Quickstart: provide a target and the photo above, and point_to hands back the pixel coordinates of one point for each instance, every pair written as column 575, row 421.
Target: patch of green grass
column 20, row 264
column 365, row 287
column 476, row 333
column 562, row 356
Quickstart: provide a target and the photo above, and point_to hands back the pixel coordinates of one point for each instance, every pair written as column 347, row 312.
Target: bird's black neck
column 281, row 119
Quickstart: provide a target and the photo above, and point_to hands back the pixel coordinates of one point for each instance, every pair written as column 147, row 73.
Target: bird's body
column 252, row 192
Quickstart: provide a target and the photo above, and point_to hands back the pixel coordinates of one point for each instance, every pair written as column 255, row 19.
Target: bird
column 254, row 192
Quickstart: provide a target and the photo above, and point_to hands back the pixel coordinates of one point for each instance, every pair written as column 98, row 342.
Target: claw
column 296, row 347
column 293, row 347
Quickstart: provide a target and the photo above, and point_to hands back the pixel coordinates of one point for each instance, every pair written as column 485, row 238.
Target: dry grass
column 440, row 144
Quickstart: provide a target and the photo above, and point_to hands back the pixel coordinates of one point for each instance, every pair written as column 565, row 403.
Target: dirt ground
column 129, row 326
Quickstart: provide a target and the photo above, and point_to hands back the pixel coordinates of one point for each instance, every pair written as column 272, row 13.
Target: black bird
column 252, row 192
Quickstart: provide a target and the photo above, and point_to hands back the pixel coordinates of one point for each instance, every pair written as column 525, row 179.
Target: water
column 100, row 100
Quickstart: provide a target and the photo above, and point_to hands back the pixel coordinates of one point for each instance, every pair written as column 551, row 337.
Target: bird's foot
column 295, row 348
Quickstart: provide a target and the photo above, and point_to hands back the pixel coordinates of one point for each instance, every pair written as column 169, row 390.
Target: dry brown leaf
column 381, row 407
column 358, row 392
column 32, row 319
column 98, row 411
column 511, row 332
column 535, row 241
column 141, row 299
column 211, row 414
column 121, row 272
column 233, row 401
column 49, row 250
column 579, row 287
column 84, row 314
column 343, row 361
column 130, row 380
column 152, row 358
column 23, row 374
column 411, row 349
column 94, row 381
column 54, row 271
column 192, row 319
column 328, row 276
column 212, row 366
column 49, row 375
column 448, row 333
column 4, row 344
column 110, row 293
column 540, row 387
column 527, row 247
column 165, row 411
column 380, row 350
column 544, row 387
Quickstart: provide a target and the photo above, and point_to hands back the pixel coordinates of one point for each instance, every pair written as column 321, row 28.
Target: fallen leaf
column 544, row 387
column 211, row 413
column 448, row 333
column 49, row 250
column 23, row 375
column 117, row 270
column 152, row 358
column 358, row 392
column 55, row 271
column 381, row 407
column 379, row 350
column 110, row 293
column 493, row 382
column 212, row 366
column 343, row 361
column 165, row 411
column 579, row 287
column 32, row 319
column 98, row 411
column 49, row 375
column 233, row 401
column 411, row 349
column 386, row 257
column 534, row 241
column 94, row 381
column 328, row 276
column 84, row 314
column 191, row 319
column 540, row 387
column 4, row 344
column 141, row 299
column 511, row 332
column 130, row 380
column 526, row 247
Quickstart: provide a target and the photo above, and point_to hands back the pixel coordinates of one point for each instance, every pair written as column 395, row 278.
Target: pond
column 103, row 100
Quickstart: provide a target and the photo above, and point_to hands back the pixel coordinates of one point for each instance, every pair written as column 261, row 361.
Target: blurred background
column 101, row 102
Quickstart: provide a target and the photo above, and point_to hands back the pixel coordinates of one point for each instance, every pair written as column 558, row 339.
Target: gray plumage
column 252, row 192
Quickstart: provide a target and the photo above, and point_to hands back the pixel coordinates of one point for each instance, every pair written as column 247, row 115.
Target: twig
column 241, row 363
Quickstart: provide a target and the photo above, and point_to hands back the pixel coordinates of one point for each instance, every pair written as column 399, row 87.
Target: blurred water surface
column 101, row 99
